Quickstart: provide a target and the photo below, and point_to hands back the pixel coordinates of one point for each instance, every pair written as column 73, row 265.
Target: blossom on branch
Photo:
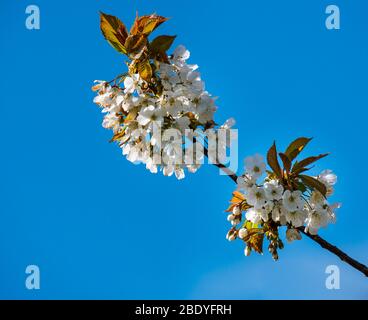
column 281, row 197
column 162, row 116
column 158, row 93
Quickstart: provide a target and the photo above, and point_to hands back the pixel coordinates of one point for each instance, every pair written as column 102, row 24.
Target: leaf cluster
column 288, row 170
column 136, row 45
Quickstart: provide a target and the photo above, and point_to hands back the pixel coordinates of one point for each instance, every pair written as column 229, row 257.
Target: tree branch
column 323, row 243
column 228, row 172
column 335, row 250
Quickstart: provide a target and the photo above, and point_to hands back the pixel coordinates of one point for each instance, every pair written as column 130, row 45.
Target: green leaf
column 256, row 242
column 114, row 31
column 162, row 43
column 273, row 162
column 159, row 46
column 131, row 115
column 301, row 187
column 250, row 225
column 299, row 171
column 314, row 184
column 118, row 136
column 146, row 24
column 145, row 70
column 252, row 232
column 307, row 161
column 286, row 161
column 296, row 147
column 135, row 43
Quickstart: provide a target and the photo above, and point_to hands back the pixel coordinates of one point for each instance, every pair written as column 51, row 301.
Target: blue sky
column 101, row 228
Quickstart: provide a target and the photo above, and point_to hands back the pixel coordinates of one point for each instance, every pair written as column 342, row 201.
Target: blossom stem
column 119, row 76
column 225, row 169
column 322, row 242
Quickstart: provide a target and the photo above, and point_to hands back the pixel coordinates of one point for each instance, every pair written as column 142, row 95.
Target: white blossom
column 181, row 54
column 254, row 215
column 256, row 197
column 229, row 123
column 296, row 218
column 329, row 179
column 273, row 190
column 135, row 115
column 279, row 213
column 245, row 182
column 292, row 200
column 316, row 219
column 131, row 83
column 255, row 166
column 331, row 211
column 150, row 114
column 104, row 99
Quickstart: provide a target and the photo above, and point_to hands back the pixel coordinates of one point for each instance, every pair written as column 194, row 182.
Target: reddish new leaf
column 314, row 184
column 114, row 31
column 273, row 161
column 146, row 24
column 286, row 161
column 299, row 166
column 296, row 147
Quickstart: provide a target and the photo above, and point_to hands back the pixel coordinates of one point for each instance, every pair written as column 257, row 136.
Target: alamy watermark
column 33, row 277
column 33, row 19
column 333, row 19
column 190, row 148
column 333, row 279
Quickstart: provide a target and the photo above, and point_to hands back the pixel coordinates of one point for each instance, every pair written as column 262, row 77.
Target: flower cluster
column 267, row 200
column 162, row 110
column 162, row 116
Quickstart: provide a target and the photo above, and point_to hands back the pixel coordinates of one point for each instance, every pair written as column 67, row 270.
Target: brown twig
column 335, row 250
column 228, row 172
column 323, row 243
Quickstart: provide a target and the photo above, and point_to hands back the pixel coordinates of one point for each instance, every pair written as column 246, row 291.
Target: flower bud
column 292, row 234
column 247, row 251
column 275, row 255
column 236, row 210
column 231, row 235
column 243, row 232
column 236, row 220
